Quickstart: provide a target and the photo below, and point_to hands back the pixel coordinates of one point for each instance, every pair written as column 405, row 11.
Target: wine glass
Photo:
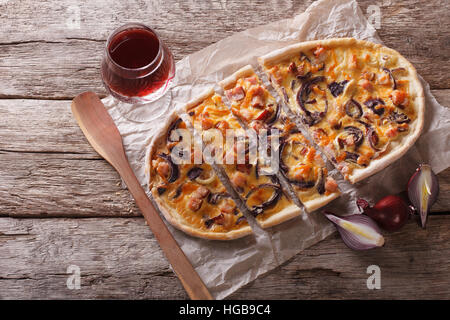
column 137, row 68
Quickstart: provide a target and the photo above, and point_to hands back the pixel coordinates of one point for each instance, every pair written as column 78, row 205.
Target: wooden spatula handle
column 191, row 281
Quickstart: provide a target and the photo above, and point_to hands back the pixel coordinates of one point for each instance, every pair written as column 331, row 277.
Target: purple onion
column 359, row 232
column 423, row 190
column 194, row 173
column 258, row 209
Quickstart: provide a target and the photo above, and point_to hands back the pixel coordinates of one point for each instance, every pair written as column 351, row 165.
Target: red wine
column 137, row 64
column 134, row 48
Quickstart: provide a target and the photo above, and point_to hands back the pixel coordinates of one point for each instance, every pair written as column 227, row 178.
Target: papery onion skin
column 421, row 196
column 390, row 213
column 353, row 239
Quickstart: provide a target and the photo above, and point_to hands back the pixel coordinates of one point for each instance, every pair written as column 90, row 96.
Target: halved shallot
column 423, row 190
column 359, row 232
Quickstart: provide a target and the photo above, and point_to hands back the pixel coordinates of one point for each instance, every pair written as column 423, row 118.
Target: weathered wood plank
column 414, row 264
column 42, row 126
column 61, row 185
column 49, row 57
column 120, row 259
column 67, row 185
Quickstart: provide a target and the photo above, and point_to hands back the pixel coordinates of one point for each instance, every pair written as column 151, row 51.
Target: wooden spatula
column 102, row 133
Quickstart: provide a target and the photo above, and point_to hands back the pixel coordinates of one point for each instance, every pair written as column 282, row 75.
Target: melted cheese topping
column 212, row 113
column 357, row 91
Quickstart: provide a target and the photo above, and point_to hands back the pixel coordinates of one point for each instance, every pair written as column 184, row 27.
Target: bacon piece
column 366, row 84
column 194, row 203
column 196, row 199
column 392, row 133
column 252, row 80
column 292, row 68
column 330, row 184
column 257, row 102
column 257, row 94
column 398, row 97
column 227, row 207
column 257, row 125
column 163, row 169
column 245, row 114
column 207, row 123
column 220, row 219
column 264, row 115
column 257, row 91
column 239, row 179
column 319, row 50
column 368, row 75
column 227, row 221
column 201, row 192
column 235, row 94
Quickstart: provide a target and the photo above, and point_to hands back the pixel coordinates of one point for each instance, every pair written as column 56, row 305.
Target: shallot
column 423, row 190
column 359, row 232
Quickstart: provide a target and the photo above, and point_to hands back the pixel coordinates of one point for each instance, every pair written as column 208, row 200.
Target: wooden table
column 61, row 204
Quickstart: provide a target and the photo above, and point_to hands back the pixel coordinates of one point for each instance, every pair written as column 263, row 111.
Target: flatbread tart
column 361, row 102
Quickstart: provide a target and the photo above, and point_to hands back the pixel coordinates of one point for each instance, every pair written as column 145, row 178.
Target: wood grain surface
column 61, row 204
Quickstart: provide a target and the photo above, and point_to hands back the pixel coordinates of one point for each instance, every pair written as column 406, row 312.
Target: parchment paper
column 228, row 265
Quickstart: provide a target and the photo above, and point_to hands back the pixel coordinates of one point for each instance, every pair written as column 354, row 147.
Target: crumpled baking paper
column 226, row 266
